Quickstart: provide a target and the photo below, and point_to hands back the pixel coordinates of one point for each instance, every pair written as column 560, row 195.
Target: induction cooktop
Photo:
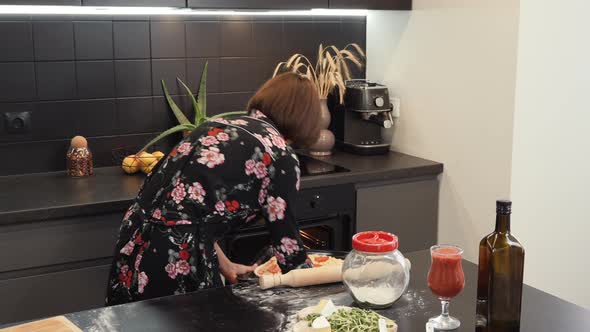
column 313, row 167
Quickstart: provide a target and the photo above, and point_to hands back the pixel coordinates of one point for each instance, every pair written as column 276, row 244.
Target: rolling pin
column 303, row 277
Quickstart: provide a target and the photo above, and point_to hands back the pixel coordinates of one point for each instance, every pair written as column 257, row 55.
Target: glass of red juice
column 446, row 280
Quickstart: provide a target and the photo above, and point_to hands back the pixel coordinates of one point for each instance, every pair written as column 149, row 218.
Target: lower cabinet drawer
column 52, row 294
column 58, row 241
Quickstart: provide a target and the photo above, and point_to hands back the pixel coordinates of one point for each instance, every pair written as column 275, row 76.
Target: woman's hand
column 229, row 269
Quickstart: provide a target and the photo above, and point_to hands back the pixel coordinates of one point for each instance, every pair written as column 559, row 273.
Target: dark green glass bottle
column 500, row 278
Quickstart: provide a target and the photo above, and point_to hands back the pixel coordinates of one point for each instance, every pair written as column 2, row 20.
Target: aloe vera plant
column 199, row 106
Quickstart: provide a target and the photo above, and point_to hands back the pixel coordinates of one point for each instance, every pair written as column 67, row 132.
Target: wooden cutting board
column 54, row 324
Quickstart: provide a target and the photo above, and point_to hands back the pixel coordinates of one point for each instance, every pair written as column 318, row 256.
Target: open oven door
column 333, row 233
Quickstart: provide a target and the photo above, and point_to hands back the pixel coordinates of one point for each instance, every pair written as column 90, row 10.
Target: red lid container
column 373, row 241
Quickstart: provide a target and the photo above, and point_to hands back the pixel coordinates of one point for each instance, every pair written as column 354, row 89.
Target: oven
column 325, row 215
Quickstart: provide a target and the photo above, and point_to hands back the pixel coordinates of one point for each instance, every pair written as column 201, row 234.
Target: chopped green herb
column 355, row 320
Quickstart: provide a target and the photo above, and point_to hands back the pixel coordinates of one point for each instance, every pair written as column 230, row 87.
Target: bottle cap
column 374, row 242
column 503, row 206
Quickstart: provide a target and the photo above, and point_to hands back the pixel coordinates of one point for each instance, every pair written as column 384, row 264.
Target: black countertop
column 35, row 197
column 247, row 308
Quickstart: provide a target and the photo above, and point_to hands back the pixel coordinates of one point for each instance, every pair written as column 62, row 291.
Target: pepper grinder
column 79, row 158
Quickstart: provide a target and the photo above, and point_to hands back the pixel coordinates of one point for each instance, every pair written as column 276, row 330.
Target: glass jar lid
column 374, row 241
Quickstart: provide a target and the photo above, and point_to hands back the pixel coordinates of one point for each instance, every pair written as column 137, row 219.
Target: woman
column 225, row 174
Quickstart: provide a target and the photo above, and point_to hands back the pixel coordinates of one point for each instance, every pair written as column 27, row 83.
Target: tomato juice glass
column 446, row 280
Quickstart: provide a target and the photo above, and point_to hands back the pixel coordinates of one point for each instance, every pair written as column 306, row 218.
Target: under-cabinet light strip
column 87, row 10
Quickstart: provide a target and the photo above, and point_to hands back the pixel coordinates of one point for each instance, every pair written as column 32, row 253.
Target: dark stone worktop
column 247, row 308
column 45, row 196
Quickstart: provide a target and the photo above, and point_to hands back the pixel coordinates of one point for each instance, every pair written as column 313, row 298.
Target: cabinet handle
column 315, row 200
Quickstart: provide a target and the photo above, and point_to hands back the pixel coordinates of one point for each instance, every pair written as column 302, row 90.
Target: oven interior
column 328, row 234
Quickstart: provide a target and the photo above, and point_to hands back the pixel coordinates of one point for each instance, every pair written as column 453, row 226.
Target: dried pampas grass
column 331, row 69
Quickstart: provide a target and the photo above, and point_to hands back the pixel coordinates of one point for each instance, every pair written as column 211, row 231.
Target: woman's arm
column 279, row 211
column 229, row 269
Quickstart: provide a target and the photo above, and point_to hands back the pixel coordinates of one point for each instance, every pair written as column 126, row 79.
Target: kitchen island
column 57, row 233
column 247, row 308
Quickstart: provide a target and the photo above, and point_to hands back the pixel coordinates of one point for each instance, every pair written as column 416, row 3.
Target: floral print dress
column 227, row 173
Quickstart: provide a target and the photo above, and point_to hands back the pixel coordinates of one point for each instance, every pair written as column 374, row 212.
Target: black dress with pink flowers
column 225, row 174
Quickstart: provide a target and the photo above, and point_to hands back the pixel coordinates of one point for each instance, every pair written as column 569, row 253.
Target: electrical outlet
column 396, row 103
column 17, row 122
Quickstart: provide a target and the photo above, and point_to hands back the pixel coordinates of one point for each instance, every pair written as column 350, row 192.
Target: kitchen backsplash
column 100, row 76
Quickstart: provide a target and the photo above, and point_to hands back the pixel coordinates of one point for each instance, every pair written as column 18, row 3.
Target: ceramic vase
column 324, row 145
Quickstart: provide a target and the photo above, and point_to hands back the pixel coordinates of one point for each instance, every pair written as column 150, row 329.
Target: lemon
column 158, row 154
column 146, row 159
column 148, row 169
column 131, row 164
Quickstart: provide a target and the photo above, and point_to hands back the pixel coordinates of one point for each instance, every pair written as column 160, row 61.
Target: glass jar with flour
column 375, row 273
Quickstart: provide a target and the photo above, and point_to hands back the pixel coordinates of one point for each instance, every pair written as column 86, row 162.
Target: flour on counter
column 412, row 302
column 286, row 302
column 104, row 322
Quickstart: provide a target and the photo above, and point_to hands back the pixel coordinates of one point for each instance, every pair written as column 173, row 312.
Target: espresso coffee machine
column 357, row 124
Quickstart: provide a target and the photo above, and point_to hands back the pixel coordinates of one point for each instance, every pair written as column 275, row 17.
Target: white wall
column 551, row 158
column 453, row 64
column 500, row 100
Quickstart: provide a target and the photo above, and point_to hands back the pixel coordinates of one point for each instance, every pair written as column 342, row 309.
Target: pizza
column 323, row 260
column 272, row 266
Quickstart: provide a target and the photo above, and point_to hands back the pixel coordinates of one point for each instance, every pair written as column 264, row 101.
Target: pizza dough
column 272, row 266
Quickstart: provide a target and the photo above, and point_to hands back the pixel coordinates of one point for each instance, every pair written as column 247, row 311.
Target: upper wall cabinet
column 150, row 3
column 42, row 2
column 348, row 4
column 389, row 4
column 259, row 4
column 230, row 4
column 372, row 4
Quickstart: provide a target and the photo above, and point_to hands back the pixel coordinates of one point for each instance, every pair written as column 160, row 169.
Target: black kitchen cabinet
column 55, row 248
column 52, row 294
column 408, row 209
column 150, row 3
column 389, row 4
column 42, row 2
column 372, row 4
column 55, row 266
column 303, row 4
column 230, row 4
column 258, row 4
column 348, row 4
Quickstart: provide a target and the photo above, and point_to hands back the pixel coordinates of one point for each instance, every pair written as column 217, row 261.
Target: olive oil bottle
column 500, row 277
